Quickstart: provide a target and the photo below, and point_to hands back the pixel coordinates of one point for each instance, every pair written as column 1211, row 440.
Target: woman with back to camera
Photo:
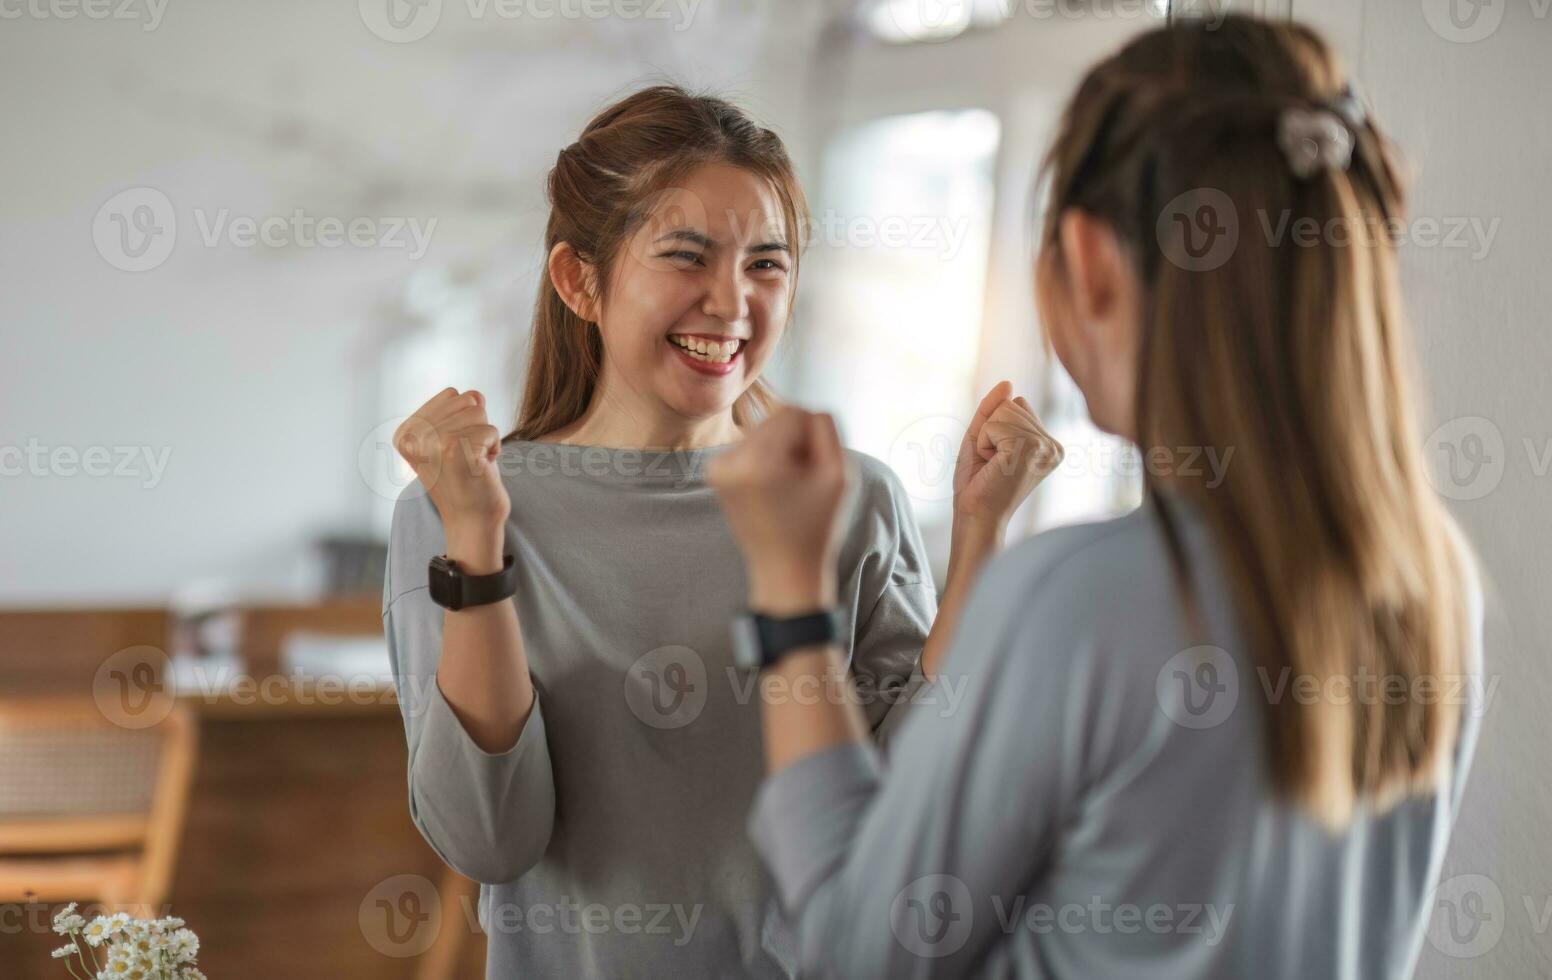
column 1224, row 735
column 587, row 750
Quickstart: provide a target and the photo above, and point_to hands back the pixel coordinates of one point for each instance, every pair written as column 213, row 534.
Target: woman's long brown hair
column 1293, row 355
column 600, row 190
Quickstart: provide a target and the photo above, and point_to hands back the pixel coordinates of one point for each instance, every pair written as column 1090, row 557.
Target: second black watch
column 451, row 588
column 760, row 640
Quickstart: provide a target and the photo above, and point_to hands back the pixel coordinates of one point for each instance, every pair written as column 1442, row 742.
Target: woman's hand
column 1004, row 455
column 453, row 449
column 784, row 489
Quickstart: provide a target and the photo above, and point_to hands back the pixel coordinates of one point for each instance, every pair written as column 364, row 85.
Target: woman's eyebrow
column 705, row 241
column 685, row 235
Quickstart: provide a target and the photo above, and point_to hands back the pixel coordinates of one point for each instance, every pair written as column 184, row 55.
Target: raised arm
column 1004, row 455
column 856, row 855
column 481, row 787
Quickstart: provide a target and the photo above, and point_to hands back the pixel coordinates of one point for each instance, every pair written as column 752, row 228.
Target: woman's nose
column 727, row 297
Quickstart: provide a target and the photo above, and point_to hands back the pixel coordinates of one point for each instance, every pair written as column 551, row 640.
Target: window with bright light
column 893, row 290
column 912, row 21
column 890, row 323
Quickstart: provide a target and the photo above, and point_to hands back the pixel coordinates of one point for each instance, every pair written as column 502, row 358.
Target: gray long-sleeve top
column 1098, row 804
column 610, row 839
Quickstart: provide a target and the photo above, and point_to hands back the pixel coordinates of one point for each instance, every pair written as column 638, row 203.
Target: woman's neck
column 606, row 423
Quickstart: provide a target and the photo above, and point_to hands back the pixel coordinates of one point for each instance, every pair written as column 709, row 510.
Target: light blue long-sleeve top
column 1098, row 806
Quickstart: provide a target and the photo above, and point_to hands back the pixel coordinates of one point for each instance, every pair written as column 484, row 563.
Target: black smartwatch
column 453, row 589
column 760, row 640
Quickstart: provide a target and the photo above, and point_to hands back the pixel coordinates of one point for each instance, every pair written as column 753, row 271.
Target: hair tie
column 1347, row 105
column 1313, row 139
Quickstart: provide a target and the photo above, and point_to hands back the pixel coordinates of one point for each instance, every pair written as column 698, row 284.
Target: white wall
column 253, row 369
column 1472, row 115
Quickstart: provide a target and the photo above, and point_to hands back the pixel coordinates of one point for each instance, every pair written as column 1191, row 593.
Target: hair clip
column 1347, row 105
column 1312, row 139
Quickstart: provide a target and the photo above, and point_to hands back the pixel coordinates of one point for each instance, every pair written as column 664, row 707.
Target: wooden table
column 299, row 816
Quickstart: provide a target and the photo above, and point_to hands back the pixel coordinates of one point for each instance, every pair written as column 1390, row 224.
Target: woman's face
column 699, row 293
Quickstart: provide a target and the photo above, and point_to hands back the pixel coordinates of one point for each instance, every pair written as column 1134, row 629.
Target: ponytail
column 1293, row 356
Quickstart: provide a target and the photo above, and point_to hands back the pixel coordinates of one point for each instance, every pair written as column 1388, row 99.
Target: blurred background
column 240, row 242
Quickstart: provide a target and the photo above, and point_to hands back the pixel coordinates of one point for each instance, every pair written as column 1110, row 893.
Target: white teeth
column 712, row 351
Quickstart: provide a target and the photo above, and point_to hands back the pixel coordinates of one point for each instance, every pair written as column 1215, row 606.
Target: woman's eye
column 766, row 265
column 683, row 256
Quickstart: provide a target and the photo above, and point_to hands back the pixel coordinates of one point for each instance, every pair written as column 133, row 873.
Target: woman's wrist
column 778, row 590
column 476, row 549
column 972, row 541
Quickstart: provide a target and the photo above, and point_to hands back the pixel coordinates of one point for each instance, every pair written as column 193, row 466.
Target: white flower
column 136, row 949
column 142, row 967
column 138, row 940
column 184, row 946
column 66, row 921
column 96, row 932
column 121, row 962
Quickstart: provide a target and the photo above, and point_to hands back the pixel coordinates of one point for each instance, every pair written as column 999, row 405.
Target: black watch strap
column 452, row 589
column 768, row 638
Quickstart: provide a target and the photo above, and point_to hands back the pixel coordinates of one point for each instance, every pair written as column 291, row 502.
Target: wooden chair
column 441, row 961
column 91, row 811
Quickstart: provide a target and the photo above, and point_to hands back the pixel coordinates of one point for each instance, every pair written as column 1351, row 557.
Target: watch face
column 443, row 584
column 746, row 643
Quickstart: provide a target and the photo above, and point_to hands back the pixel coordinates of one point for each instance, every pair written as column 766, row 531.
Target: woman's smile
column 711, row 354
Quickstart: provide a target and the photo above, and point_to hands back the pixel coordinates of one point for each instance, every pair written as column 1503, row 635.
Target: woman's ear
column 1105, row 300
column 1095, row 265
column 574, row 280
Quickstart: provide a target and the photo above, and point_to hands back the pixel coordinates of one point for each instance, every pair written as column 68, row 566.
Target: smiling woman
column 593, row 740
column 662, row 182
column 692, row 312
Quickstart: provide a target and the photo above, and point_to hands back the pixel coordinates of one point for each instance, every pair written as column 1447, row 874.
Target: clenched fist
column 785, row 489
column 1004, row 455
column 453, row 449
